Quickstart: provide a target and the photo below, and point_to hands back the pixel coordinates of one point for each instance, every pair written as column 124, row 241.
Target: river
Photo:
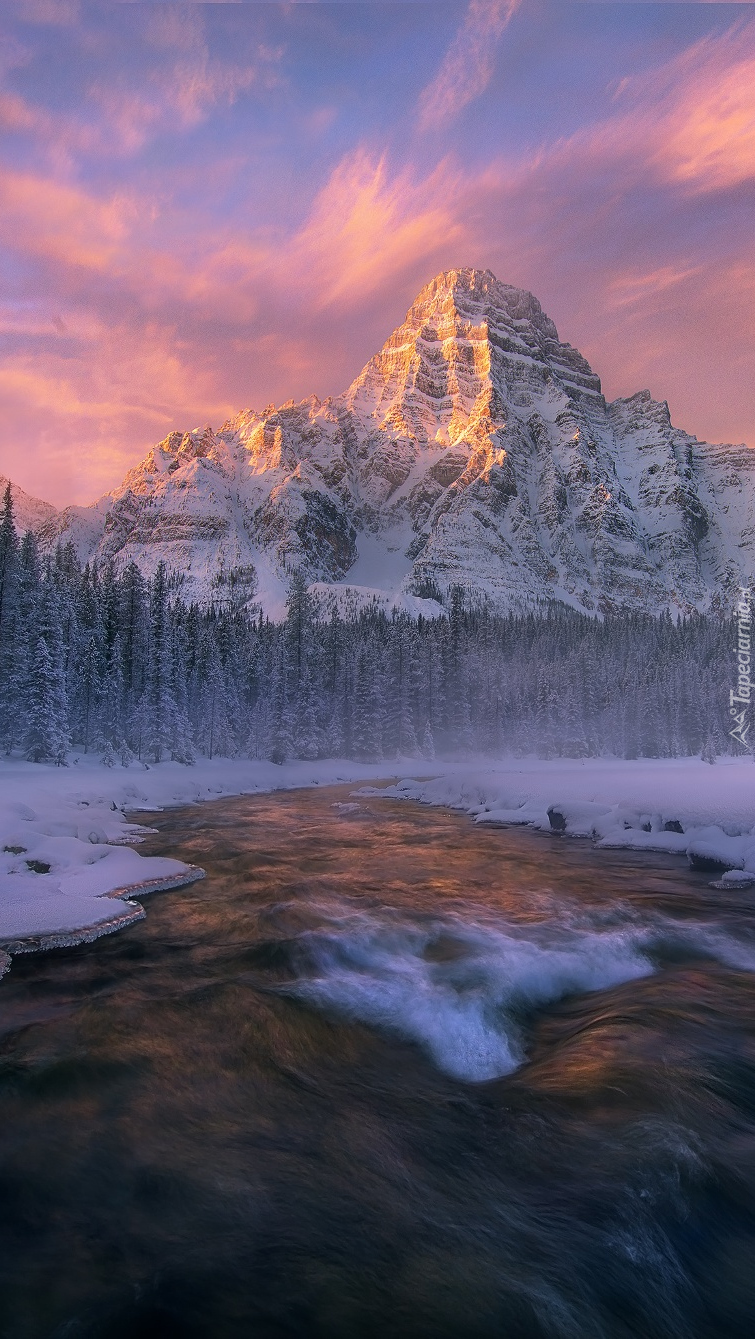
column 385, row 1073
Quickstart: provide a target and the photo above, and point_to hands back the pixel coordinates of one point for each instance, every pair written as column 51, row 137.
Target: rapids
column 389, row 1074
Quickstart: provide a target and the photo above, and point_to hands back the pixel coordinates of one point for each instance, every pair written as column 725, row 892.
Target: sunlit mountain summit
column 476, row 449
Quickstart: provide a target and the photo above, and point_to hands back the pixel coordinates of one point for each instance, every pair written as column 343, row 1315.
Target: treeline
column 109, row 662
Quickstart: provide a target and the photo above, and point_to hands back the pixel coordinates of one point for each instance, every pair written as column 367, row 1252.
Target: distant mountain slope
column 474, row 449
column 30, row 512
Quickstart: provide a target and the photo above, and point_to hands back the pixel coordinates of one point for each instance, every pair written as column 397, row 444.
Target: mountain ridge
column 474, row 449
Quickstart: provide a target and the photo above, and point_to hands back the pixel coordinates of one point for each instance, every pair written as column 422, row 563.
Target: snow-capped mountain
column 474, row 449
column 30, row 512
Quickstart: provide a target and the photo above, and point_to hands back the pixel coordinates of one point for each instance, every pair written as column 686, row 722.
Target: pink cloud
column 367, row 226
column 468, row 65
column 709, row 141
column 691, row 121
column 91, row 416
column 172, row 315
column 52, row 219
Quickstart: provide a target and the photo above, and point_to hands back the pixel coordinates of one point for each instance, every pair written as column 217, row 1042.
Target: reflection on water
column 385, row 1074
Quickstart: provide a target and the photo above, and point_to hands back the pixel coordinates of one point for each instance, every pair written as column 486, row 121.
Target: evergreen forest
column 106, row 661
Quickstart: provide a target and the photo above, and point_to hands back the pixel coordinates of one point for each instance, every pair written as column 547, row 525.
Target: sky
column 210, row 207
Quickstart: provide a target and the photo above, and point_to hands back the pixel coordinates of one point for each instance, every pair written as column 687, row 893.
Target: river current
column 385, row 1073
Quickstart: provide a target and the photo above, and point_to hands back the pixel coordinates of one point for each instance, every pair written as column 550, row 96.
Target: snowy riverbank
column 66, row 840
column 681, row 806
column 65, row 837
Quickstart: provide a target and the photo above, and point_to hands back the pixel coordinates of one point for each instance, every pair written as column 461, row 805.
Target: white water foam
column 460, row 987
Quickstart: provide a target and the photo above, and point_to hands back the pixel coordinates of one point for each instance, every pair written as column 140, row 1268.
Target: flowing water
column 385, row 1074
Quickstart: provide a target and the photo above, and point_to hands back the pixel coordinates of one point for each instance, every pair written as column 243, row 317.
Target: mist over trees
column 108, row 662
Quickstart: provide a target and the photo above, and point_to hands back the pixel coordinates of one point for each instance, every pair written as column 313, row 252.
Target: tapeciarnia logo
column 741, row 696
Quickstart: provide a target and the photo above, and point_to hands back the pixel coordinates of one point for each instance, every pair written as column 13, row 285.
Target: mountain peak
column 476, row 293
column 463, row 280
column 467, row 341
column 474, row 449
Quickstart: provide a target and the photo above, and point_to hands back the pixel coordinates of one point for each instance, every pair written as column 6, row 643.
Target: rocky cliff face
column 474, row 449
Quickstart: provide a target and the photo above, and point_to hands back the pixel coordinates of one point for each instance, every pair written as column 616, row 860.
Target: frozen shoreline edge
column 54, row 817
column 87, row 934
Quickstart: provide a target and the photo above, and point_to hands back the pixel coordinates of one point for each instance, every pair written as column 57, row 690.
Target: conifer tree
column 90, row 688
column 708, row 752
column 8, row 572
column 214, row 730
column 113, row 697
column 47, row 738
column 159, row 705
column 8, row 558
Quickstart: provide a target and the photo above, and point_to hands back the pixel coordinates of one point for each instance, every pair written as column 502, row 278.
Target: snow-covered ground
column 64, row 831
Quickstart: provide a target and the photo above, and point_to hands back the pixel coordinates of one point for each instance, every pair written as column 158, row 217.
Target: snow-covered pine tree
column 708, row 751
column 428, row 742
column 112, row 697
column 281, row 708
column 300, row 723
column 90, row 689
column 182, row 749
column 214, row 730
column 158, row 700
column 47, row 738
column 133, row 628
column 367, row 709
column 400, row 690
column 27, row 625
column 8, row 556
column 8, row 573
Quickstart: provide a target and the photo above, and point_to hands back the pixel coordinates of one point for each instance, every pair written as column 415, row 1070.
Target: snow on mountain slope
column 474, row 449
column 81, row 526
column 30, row 512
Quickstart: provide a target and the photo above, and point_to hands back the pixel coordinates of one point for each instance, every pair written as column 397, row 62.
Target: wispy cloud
column 709, row 133
column 468, row 65
column 45, row 218
column 689, row 122
column 638, row 286
column 154, row 281
column 174, row 101
column 369, row 225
